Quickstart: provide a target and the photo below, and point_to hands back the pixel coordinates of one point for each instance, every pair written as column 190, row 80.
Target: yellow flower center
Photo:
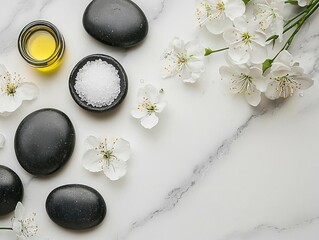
column 11, row 85
column 243, row 84
column 246, row 37
column 107, row 152
column 220, row 6
column 11, row 89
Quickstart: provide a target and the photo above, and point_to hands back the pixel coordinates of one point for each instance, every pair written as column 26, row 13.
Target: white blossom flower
column 218, row 15
column 303, row 3
column 108, row 155
column 285, row 77
column 246, row 43
column 245, row 80
column 149, row 104
column 269, row 14
column 13, row 92
column 2, row 140
column 184, row 60
column 25, row 228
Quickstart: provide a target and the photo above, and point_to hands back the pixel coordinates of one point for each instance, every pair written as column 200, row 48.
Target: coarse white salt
column 97, row 83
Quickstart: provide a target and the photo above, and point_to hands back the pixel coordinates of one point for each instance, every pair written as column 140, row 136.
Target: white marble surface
column 214, row 168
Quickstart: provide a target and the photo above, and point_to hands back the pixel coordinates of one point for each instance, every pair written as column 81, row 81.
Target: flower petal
column 272, row 90
column 138, row 113
column 92, row 141
column 122, row 149
column 253, row 98
column 226, row 72
column 258, row 54
column 219, row 26
column 152, row 92
column 9, row 103
column 239, row 53
column 303, row 3
column 178, row 45
column 170, row 65
column 284, row 57
column 3, row 71
column 194, row 65
column 259, row 38
column 241, row 24
column 234, row 9
column 279, row 68
column 19, row 211
column 27, row 91
column 91, row 161
column 115, row 170
column 232, row 36
column 258, row 79
column 149, row 121
column 305, row 81
column 193, row 48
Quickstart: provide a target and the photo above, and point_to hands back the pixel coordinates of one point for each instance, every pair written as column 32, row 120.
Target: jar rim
column 32, row 27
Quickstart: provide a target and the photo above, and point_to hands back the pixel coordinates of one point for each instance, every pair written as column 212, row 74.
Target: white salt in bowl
column 123, row 83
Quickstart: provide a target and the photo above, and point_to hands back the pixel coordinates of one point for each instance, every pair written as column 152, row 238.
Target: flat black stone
column 44, row 141
column 11, row 190
column 119, row 23
column 121, row 73
column 76, row 206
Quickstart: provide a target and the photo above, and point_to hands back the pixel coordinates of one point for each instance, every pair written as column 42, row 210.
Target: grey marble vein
column 176, row 194
column 252, row 233
column 311, row 44
column 286, row 228
column 160, row 11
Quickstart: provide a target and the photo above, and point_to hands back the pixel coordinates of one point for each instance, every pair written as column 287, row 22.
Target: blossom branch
column 6, row 228
column 298, row 24
column 209, row 51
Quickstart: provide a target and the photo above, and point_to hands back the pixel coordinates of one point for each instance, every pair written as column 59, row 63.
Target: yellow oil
column 41, row 45
column 52, row 67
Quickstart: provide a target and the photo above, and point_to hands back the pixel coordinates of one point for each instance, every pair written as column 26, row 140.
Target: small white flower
column 269, row 14
column 303, row 3
column 108, row 155
column 246, row 80
column 218, row 15
column 13, row 92
column 246, row 42
column 286, row 77
column 184, row 60
column 25, row 228
column 149, row 103
column 2, row 140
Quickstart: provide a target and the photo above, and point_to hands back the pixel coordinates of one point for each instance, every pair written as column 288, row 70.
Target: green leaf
column 267, row 64
column 208, row 51
column 273, row 37
column 246, row 1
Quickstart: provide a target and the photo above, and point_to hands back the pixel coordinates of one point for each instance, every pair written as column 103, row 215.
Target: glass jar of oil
column 41, row 45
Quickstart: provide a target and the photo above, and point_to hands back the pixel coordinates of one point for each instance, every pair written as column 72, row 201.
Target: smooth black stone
column 11, row 190
column 76, row 206
column 119, row 23
column 44, row 141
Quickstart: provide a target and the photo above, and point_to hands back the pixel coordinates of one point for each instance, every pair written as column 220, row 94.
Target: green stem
column 5, row 228
column 295, row 17
column 312, row 8
column 293, row 2
column 304, row 12
column 209, row 51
